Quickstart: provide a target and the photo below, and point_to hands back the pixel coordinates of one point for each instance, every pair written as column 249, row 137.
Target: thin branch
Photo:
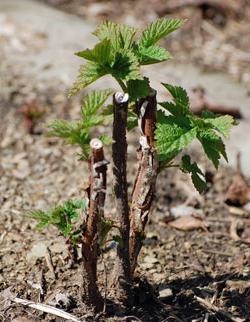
column 119, row 155
column 90, row 246
column 147, row 172
column 122, row 85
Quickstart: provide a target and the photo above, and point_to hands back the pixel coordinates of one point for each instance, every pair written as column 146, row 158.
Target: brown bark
column 122, row 275
column 144, row 186
column 90, row 247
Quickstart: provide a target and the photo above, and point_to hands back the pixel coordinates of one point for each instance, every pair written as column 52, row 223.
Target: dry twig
column 47, row 309
column 213, row 308
column 119, row 155
column 96, row 193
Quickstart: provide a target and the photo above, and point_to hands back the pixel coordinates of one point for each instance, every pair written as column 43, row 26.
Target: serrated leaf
column 73, row 133
column 88, row 74
column 171, row 108
column 41, row 225
column 213, row 146
column 223, row 124
column 160, row 115
column 138, row 88
column 69, row 130
column 180, row 98
column 61, row 216
column 126, row 66
column 172, row 135
column 198, row 178
column 93, row 101
column 42, row 216
column 101, row 53
column 78, row 203
column 78, row 132
column 92, row 120
column 152, row 55
column 208, row 114
column 121, row 36
column 159, row 29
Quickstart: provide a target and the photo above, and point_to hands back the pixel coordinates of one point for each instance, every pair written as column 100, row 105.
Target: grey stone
column 38, row 250
column 182, row 210
column 165, row 293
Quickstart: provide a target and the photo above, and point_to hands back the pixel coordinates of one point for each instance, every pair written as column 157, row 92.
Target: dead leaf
column 187, row 223
column 238, row 193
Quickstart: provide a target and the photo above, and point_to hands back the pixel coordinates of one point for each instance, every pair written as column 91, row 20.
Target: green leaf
column 132, row 120
column 159, row 29
column 213, row 146
column 70, row 206
column 101, row 53
column 206, row 114
column 126, row 66
column 121, row 36
column 61, row 216
column 108, row 110
column 152, row 55
column 105, row 226
column 42, row 216
column 222, row 124
column 205, row 128
column 180, row 98
column 118, row 240
column 68, row 130
column 88, row 74
column 73, row 133
column 160, row 115
column 93, row 101
column 198, row 178
column 171, row 108
column 92, row 120
column 172, row 135
column 106, row 139
column 78, row 132
column 77, row 204
column 138, row 88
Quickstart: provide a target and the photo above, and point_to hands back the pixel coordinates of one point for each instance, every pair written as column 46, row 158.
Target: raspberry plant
column 165, row 128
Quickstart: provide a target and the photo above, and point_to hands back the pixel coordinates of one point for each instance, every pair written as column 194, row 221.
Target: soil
column 203, row 272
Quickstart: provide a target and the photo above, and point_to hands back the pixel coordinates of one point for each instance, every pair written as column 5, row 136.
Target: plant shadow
column 201, row 298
